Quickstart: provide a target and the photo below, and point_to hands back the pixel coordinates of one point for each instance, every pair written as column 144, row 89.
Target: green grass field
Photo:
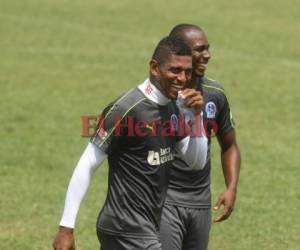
column 64, row 59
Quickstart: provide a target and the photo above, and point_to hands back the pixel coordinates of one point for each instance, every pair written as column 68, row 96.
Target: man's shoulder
column 212, row 85
column 130, row 98
column 127, row 101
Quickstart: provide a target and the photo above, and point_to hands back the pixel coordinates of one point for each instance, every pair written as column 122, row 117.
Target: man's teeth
column 178, row 86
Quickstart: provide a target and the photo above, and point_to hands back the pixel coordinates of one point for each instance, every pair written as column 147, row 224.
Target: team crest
column 211, row 110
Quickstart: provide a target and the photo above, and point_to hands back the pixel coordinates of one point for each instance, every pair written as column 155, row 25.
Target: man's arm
column 90, row 160
column 231, row 162
column 193, row 149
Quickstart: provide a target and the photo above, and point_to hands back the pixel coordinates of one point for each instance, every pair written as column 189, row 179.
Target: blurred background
column 62, row 59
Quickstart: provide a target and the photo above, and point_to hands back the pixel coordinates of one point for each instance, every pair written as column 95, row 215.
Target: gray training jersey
column 191, row 188
column 139, row 161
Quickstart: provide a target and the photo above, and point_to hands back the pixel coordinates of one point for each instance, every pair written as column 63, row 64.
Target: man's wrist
column 66, row 229
column 232, row 188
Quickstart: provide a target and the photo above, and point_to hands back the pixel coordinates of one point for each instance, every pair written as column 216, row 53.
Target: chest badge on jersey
column 211, row 110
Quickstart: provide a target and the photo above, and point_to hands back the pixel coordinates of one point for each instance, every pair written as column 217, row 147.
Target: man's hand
column 227, row 199
column 64, row 239
column 194, row 99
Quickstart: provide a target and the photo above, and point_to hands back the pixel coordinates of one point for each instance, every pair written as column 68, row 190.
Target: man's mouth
column 177, row 86
column 200, row 68
column 203, row 65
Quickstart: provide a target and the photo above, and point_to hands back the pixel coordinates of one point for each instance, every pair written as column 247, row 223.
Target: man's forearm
column 230, row 158
column 193, row 149
column 231, row 162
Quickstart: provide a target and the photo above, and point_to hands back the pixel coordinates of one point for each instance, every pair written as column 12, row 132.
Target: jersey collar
column 153, row 93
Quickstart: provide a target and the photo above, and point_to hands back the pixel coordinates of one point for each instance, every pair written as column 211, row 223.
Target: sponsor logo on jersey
column 102, row 133
column 148, row 126
column 156, row 158
column 211, row 110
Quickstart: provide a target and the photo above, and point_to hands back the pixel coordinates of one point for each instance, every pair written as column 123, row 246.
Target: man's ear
column 154, row 68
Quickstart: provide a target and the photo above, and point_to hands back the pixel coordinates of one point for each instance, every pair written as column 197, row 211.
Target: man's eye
column 188, row 72
column 175, row 70
column 201, row 49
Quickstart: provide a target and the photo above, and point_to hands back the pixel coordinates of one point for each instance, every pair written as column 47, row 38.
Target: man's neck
column 151, row 91
column 194, row 80
column 196, row 77
column 157, row 85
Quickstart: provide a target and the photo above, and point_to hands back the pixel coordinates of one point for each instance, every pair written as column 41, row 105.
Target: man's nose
column 182, row 77
column 206, row 54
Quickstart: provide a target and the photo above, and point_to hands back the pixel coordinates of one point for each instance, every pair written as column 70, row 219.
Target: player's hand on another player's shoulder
column 64, row 239
column 194, row 99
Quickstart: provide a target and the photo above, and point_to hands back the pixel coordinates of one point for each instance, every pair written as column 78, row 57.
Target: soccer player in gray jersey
column 138, row 134
column 186, row 218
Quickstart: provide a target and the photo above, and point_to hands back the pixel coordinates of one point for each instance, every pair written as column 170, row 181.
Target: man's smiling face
column 174, row 74
column 199, row 45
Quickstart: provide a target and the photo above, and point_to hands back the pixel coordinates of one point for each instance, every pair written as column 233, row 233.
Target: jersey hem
column 124, row 234
column 189, row 205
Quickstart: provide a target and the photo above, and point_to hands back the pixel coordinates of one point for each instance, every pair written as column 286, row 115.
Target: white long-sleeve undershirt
column 90, row 160
column 193, row 149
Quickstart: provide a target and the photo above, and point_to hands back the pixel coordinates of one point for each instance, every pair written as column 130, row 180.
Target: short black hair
column 179, row 29
column 170, row 46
